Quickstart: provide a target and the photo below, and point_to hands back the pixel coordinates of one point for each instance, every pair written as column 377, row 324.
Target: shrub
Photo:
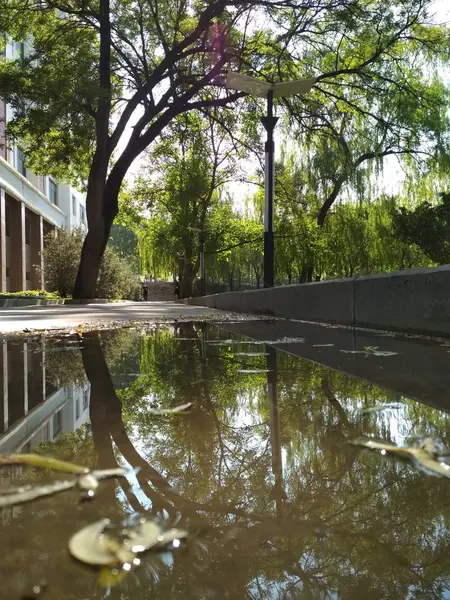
column 31, row 294
column 62, row 253
column 116, row 277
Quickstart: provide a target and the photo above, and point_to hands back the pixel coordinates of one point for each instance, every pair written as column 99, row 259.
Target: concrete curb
column 412, row 301
column 90, row 301
column 10, row 302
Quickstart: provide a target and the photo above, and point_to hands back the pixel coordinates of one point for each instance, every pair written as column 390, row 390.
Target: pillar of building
column 2, row 240
column 37, row 248
column 25, row 378
column 17, row 265
column 35, row 378
column 3, row 387
column 17, row 399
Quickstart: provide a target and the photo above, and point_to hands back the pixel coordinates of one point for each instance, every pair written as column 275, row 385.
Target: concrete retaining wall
column 418, row 369
column 7, row 302
column 415, row 301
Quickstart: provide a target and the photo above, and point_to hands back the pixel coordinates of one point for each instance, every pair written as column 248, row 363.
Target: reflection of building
column 30, row 207
column 32, row 409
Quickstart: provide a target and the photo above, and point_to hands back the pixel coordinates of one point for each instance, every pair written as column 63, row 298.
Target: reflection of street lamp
column 264, row 89
column 202, row 258
column 278, row 493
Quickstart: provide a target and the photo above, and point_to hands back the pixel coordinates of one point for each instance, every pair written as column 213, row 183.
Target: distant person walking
column 145, row 293
column 177, row 289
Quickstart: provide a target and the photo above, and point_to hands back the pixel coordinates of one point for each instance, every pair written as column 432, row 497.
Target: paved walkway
column 47, row 317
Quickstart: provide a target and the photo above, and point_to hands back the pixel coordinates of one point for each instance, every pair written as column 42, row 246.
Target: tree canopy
column 101, row 83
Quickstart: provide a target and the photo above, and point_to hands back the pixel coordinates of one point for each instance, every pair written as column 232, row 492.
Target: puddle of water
column 259, row 470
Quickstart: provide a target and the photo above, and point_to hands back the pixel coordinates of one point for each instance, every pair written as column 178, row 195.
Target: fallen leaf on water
column 251, row 354
column 250, row 371
column 80, row 331
column 418, row 455
column 170, row 411
column 28, row 493
column 370, row 351
column 117, row 472
column 42, row 462
column 110, row 577
column 380, row 407
column 103, row 543
column 92, row 546
column 86, row 480
column 324, row 346
column 375, row 352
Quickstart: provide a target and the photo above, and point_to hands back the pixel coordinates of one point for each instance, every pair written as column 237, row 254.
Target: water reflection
column 260, row 470
column 35, row 405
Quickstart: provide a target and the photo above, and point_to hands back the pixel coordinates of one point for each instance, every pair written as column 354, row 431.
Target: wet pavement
column 259, row 471
column 16, row 319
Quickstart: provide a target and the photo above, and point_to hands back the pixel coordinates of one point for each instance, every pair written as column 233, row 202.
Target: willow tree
column 180, row 188
column 380, row 93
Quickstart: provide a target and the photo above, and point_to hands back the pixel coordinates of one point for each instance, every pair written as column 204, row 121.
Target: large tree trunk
column 187, row 279
column 91, row 257
column 101, row 211
column 100, row 215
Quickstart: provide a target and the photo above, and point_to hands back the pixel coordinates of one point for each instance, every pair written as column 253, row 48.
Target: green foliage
column 357, row 238
column 76, row 447
column 380, row 93
column 62, row 251
column 180, row 190
column 117, row 278
column 125, row 242
column 64, row 368
column 426, row 226
column 52, row 89
column 31, row 294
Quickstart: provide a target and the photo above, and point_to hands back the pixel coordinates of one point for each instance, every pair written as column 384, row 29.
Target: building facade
column 30, row 207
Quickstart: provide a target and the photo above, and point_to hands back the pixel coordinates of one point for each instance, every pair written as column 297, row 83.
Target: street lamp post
column 264, row 89
column 269, row 123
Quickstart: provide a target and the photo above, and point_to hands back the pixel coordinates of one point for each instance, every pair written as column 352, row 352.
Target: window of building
column 41, row 183
column 74, row 206
column 20, row 49
column 82, row 214
column 57, row 423
column 52, row 191
column 85, row 399
column 21, row 162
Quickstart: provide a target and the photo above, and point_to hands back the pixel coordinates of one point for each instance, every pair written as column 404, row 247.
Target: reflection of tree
column 353, row 524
